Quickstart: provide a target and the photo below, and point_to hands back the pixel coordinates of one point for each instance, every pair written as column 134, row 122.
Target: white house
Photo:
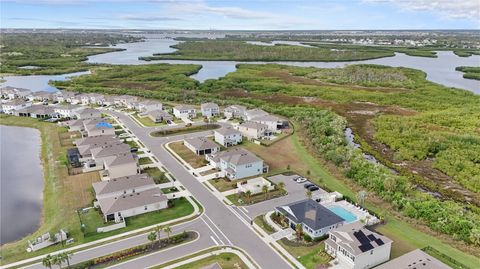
column 16, row 104
column 316, row 220
column 255, row 185
column 184, row 111
column 254, row 113
column 127, row 205
column 234, row 111
column 355, row 247
column 149, row 105
column 237, row 163
column 273, row 123
column 228, row 136
column 36, row 111
column 201, row 145
column 66, row 111
column 254, row 130
column 210, row 110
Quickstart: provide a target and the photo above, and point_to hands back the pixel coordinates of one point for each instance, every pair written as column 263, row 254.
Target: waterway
column 21, row 182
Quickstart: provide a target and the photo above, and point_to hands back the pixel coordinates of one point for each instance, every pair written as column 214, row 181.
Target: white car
column 301, row 180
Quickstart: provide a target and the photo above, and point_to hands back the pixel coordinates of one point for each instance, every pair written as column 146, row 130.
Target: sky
column 241, row 14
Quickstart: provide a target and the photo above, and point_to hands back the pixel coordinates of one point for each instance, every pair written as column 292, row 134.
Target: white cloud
column 228, row 12
column 453, row 9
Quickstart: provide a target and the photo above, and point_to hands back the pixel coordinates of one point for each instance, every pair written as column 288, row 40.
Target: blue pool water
column 343, row 213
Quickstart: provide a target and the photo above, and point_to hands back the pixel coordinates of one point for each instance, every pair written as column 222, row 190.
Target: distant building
column 210, row 110
column 254, row 113
column 228, row 137
column 237, row 163
column 11, row 106
column 87, row 113
column 66, row 111
column 149, row 105
column 36, row 111
column 355, row 247
column 234, row 111
column 273, row 123
column 254, row 130
column 316, row 220
column 159, row 115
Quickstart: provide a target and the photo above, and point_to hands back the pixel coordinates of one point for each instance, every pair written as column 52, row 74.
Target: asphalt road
column 233, row 228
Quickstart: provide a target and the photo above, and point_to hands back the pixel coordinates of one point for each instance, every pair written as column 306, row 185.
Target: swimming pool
column 343, row 213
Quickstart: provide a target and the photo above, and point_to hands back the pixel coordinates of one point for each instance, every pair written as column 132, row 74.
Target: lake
column 37, row 82
column 440, row 70
column 21, row 182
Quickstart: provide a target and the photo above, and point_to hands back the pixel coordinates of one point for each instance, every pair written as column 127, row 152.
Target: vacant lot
column 187, row 155
column 310, row 256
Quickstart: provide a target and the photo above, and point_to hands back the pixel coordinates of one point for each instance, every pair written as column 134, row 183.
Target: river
column 21, row 182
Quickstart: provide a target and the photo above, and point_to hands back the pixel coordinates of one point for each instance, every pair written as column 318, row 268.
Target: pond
column 21, row 184
column 440, row 70
column 37, row 82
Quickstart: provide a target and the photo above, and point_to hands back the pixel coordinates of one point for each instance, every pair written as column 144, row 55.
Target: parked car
column 301, row 180
column 295, row 178
column 308, row 185
column 313, row 188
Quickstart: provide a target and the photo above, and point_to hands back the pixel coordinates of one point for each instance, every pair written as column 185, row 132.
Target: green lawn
column 132, row 144
column 225, row 260
column 260, row 221
column 169, row 190
column 92, row 220
column 223, row 184
column 308, row 256
column 146, row 121
column 257, row 198
column 145, row 160
column 185, row 130
column 157, row 175
column 196, row 161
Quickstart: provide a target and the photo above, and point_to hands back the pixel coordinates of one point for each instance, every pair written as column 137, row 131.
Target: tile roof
column 111, row 205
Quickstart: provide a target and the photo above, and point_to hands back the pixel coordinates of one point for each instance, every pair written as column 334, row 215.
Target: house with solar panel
column 354, row 247
column 316, row 220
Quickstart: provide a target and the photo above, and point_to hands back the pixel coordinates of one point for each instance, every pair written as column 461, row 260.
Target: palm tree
column 265, row 191
column 47, row 261
column 158, row 230
column 248, row 194
column 152, row 237
column 57, row 260
column 65, row 257
column 168, row 231
column 308, row 194
column 299, row 231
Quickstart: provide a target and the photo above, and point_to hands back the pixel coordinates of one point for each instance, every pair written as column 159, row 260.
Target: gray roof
column 236, row 108
column 110, row 150
column 416, row 259
column 67, row 106
column 111, row 205
column 86, row 149
column 256, row 112
column 184, row 107
column 158, row 113
column 356, row 239
column 310, row 213
column 37, row 109
column 15, row 102
column 201, row 143
column 89, row 112
column 208, row 105
column 95, row 140
column 149, row 102
column 120, row 159
column 236, row 156
column 227, row 131
column 122, row 183
column 266, row 118
column 253, row 125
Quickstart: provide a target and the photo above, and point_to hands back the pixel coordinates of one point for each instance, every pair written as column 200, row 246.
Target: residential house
column 127, row 205
column 94, row 157
column 87, row 113
column 85, row 151
column 234, row 111
column 74, row 125
column 36, row 111
column 228, row 136
column 123, row 186
column 11, row 106
column 254, row 113
column 66, row 111
column 125, row 100
column 274, row 123
column 94, row 140
column 41, row 96
column 201, row 145
column 8, row 92
column 355, row 247
column 415, row 259
column 159, row 115
column 119, row 166
column 64, row 96
column 210, row 110
column 149, row 105
column 255, row 185
column 254, row 130
column 184, row 111
column 98, row 126
column 237, row 163
column 316, row 220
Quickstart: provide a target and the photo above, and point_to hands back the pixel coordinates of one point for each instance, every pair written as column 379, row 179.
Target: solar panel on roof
column 379, row 241
column 371, row 237
column 365, row 247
